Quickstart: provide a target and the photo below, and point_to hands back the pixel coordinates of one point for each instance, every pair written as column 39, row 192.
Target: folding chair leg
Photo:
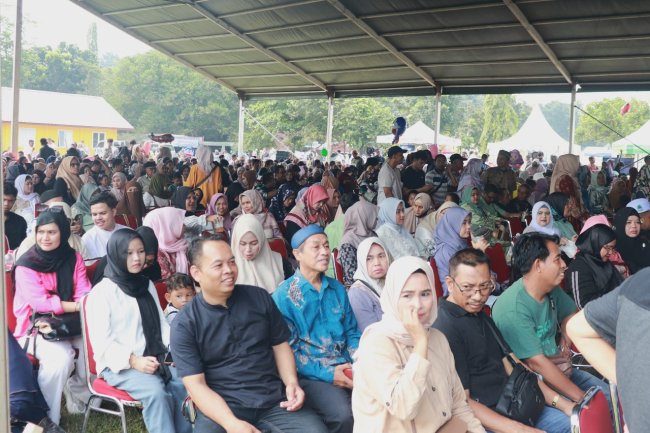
column 122, row 416
column 87, row 414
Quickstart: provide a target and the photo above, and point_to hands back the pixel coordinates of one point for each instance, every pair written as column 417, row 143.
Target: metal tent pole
column 572, row 118
column 240, row 134
column 438, row 109
column 18, row 48
column 330, row 123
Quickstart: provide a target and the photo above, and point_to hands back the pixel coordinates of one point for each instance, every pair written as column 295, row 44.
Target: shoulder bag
column 521, row 399
column 56, row 327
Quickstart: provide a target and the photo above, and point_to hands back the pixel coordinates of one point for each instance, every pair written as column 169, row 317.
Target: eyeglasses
column 609, row 248
column 469, row 290
column 74, row 164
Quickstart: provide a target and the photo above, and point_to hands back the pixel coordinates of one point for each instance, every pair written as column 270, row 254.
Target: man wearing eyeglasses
column 477, row 354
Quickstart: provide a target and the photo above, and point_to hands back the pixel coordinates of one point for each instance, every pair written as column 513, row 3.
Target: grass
column 101, row 422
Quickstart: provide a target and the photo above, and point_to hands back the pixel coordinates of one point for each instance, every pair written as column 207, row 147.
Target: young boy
column 180, row 291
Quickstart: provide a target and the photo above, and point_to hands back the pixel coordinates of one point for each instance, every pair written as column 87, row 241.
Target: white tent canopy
column 640, row 137
column 534, row 135
column 419, row 133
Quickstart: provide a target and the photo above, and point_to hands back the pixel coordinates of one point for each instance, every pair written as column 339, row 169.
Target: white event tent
column 640, row 138
column 419, row 133
column 534, row 135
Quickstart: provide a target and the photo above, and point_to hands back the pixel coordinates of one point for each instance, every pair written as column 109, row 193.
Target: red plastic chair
column 516, row 226
column 436, row 278
column 338, row 269
column 127, row 220
column 591, row 415
column 99, row 388
column 279, row 246
column 498, row 262
column 161, row 289
column 90, row 270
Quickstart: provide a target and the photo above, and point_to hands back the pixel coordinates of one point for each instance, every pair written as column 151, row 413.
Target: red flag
column 625, row 109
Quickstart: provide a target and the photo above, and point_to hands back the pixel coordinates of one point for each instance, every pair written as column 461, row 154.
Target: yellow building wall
column 79, row 134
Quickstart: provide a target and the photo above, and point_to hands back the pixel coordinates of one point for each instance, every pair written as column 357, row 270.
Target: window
column 65, row 138
column 98, row 137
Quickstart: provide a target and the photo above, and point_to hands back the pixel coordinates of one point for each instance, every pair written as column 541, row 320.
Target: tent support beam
column 18, row 50
column 438, row 108
column 240, row 132
column 572, row 118
column 330, row 123
column 383, row 42
column 532, row 31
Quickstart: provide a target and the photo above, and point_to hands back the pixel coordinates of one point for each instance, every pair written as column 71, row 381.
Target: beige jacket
column 398, row 391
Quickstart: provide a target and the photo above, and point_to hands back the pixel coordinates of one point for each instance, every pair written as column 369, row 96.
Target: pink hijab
column 167, row 223
column 212, row 210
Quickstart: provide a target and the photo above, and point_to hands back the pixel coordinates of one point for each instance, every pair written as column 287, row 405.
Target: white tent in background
column 419, row 133
column 534, row 135
column 640, row 137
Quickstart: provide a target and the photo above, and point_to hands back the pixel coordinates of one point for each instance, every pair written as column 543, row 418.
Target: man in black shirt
column 413, row 175
column 230, row 345
column 15, row 225
column 46, row 151
column 477, row 354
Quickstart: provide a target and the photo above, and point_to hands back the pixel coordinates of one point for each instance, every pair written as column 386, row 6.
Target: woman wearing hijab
column 51, row 278
column 13, row 171
column 422, row 205
column 27, row 199
column 204, row 175
column 618, row 194
column 543, row 220
column 158, row 194
column 405, row 379
column 560, row 205
column 68, row 183
column 397, row 239
column 38, row 179
column 591, row 275
column 451, row 236
column 82, row 205
column 633, row 246
column 614, row 257
column 540, row 191
column 151, row 268
column 283, row 201
column 184, row 198
column 218, row 206
column 358, row 224
column 133, row 202
column 311, row 208
column 258, row 265
column 130, row 336
column 424, row 234
column 565, row 180
column 167, row 223
column 598, row 193
column 373, row 261
column 471, row 176
column 118, row 186
column 252, row 203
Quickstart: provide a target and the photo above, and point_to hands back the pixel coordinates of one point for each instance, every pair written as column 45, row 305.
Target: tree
column 157, row 94
column 500, row 119
column 558, row 114
column 358, row 121
column 608, row 111
column 6, row 51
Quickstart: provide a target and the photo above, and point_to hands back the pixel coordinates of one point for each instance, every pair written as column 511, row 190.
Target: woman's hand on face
column 144, row 364
column 412, row 324
column 480, row 244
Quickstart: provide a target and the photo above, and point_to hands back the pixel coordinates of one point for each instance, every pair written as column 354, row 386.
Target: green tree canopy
column 608, row 111
column 500, row 119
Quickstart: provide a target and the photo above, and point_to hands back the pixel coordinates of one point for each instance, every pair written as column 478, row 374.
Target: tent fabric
column 271, row 48
column 419, row 133
column 534, row 135
column 637, row 142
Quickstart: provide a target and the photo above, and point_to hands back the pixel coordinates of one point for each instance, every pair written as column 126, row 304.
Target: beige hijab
column 72, row 180
column 265, row 270
column 430, row 221
column 410, row 220
column 391, row 322
column 566, row 165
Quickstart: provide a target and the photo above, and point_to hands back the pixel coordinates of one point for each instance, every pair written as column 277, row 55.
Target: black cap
column 395, row 150
column 455, row 157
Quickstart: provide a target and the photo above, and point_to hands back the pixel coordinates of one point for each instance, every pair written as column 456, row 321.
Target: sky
column 49, row 22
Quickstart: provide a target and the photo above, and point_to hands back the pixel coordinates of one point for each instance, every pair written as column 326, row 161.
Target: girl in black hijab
column 591, row 275
column 633, row 246
column 151, row 268
column 130, row 335
column 184, row 198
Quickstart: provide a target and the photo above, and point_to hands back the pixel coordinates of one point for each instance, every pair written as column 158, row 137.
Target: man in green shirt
column 533, row 312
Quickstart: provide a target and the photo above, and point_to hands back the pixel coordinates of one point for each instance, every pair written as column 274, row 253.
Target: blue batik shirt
column 324, row 331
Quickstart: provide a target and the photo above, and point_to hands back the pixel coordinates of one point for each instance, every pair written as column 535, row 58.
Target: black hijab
column 153, row 272
column 61, row 260
column 633, row 250
column 232, row 194
column 558, row 201
column 590, row 242
column 179, row 197
column 137, row 286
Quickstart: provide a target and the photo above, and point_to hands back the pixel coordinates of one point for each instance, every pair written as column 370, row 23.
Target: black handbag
column 59, row 326
column 521, row 398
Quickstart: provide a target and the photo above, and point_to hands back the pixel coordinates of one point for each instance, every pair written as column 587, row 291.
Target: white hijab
column 362, row 261
column 391, row 322
column 32, row 197
column 265, row 270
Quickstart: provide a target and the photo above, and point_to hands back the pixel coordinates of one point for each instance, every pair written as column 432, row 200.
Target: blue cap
column 304, row 233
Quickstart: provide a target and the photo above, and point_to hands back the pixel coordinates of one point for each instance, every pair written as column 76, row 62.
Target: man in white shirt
column 389, row 183
column 102, row 209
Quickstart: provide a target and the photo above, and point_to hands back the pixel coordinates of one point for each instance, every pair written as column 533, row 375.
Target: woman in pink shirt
column 51, row 277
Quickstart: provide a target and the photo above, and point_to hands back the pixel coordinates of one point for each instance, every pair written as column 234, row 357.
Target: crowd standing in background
column 321, row 296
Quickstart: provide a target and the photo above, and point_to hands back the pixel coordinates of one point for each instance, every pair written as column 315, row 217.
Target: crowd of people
column 340, row 329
